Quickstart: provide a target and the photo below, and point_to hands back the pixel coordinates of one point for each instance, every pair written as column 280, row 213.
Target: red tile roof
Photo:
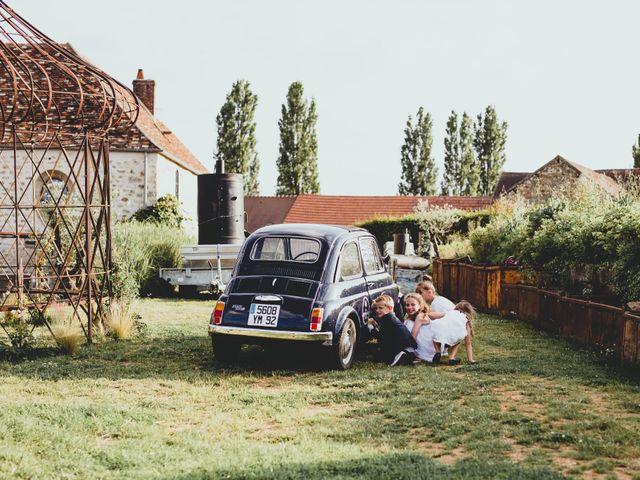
column 165, row 141
column 348, row 210
column 263, row 211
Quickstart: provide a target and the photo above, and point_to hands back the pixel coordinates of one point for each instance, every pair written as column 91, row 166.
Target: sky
column 563, row 74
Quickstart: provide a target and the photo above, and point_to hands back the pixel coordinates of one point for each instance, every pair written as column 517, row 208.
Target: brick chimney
column 145, row 90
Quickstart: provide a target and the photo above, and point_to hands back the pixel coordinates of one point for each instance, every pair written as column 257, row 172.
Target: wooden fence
column 503, row 290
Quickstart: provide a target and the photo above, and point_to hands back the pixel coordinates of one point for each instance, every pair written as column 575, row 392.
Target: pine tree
column 469, row 169
column 298, row 158
column 419, row 169
column 451, row 184
column 236, row 142
column 635, row 151
column 489, row 140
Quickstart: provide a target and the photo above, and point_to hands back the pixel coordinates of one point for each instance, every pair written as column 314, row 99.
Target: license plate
column 263, row 315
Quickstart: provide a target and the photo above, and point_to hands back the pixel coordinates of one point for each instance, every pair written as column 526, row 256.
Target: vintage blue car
column 301, row 283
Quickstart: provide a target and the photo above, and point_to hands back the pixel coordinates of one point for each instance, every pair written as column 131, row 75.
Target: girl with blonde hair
column 418, row 321
column 454, row 327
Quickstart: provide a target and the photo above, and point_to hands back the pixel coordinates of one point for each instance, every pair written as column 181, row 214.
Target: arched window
column 53, row 183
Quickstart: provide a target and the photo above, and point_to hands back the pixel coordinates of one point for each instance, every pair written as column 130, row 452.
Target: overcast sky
column 563, row 74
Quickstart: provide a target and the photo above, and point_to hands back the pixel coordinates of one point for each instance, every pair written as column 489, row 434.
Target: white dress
column 426, row 350
column 441, row 304
column 450, row 329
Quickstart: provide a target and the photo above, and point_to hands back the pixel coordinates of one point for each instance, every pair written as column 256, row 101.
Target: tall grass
column 120, row 320
column 67, row 333
column 139, row 251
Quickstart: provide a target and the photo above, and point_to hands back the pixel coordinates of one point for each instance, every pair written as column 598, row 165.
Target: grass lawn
column 159, row 406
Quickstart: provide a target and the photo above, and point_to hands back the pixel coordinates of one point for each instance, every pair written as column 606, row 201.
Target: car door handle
column 371, row 284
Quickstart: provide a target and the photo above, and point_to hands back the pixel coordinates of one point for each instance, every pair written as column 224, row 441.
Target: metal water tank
column 220, row 208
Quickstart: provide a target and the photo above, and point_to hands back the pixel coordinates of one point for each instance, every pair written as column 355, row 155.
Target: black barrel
column 220, row 208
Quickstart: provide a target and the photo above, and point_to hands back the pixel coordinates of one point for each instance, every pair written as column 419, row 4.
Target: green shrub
column 585, row 244
column 383, row 228
column 165, row 211
column 140, row 249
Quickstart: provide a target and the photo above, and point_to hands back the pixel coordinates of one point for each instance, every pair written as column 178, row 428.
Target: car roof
column 315, row 230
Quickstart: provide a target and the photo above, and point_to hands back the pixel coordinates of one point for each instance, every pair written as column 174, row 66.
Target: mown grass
column 158, row 406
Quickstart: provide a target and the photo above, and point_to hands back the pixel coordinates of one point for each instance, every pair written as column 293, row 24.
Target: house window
column 53, row 187
column 178, row 184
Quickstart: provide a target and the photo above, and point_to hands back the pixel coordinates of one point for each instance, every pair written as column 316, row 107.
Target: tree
column 298, row 158
column 419, row 169
column 451, row 180
column 469, row 168
column 635, row 151
column 236, row 143
column 489, row 140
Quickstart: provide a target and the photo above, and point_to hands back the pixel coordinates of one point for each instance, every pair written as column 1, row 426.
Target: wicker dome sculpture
column 57, row 113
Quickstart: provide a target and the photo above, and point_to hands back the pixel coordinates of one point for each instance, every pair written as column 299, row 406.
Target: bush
column 165, row 211
column 18, row 326
column 140, row 249
column 383, row 228
column 586, row 244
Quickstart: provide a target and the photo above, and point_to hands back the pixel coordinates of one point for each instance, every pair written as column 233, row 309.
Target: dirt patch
column 441, row 453
column 511, row 399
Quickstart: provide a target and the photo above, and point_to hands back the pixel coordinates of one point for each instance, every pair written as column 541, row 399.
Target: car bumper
column 326, row 338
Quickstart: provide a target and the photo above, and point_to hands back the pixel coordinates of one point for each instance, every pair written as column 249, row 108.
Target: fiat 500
column 301, row 283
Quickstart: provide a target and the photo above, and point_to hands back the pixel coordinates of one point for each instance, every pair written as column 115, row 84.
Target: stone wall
column 128, row 182
column 555, row 179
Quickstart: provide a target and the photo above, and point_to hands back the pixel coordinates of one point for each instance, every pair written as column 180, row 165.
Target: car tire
column 224, row 349
column 344, row 350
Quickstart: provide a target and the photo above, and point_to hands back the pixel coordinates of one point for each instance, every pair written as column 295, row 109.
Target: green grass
column 158, row 406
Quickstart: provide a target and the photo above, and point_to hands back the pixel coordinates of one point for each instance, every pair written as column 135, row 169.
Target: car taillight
column 216, row 317
column 316, row 319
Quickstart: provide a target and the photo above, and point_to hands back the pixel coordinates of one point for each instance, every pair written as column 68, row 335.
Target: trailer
column 204, row 268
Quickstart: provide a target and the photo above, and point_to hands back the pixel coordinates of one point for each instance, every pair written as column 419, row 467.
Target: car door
column 378, row 281
column 350, row 279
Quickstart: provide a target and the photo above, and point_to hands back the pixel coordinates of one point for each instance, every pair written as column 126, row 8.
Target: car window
column 286, row 249
column 370, row 256
column 350, row 265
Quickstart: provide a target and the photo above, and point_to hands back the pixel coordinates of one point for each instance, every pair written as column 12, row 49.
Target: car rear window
column 286, row 249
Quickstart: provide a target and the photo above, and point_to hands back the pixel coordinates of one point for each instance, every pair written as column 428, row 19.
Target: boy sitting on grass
column 396, row 343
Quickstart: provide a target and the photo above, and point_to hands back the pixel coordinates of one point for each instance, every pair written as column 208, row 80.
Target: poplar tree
column 236, row 142
column 489, row 140
column 451, row 180
column 298, row 157
column 469, row 169
column 419, row 169
column 635, row 151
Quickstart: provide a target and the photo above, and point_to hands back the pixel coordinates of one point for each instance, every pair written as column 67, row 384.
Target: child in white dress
column 418, row 322
column 451, row 329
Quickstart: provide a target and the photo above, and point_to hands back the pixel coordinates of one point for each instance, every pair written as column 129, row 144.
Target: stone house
column 146, row 162
column 559, row 176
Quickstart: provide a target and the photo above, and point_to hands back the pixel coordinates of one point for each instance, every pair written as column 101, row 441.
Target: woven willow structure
column 57, row 113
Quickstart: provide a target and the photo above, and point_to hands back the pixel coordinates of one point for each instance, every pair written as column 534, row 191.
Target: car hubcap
column 347, row 342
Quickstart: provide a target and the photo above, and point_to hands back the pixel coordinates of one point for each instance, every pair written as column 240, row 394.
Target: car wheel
column 345, row 349
column 224, row 349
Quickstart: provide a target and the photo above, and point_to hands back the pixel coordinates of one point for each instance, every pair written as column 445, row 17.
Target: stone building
column 560, row 176
column 146, row 162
